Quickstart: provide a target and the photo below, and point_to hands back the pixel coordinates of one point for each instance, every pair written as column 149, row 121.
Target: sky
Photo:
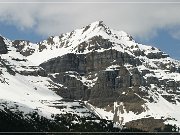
column 155, row 22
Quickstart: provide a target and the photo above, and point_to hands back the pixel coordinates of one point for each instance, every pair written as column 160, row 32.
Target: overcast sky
column 155, row 23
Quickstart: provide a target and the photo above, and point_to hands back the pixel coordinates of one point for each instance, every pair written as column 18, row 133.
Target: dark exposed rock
column 147, row 124
column 86, row 28
column 20, row 44
column 104, row 88
column 17, row 59
column 171, row 83
column 157, row 55
column 132, row 102
column 70, row 62
column 98, row 43
column 8, row 67
column 84, row 63
column 152, row 80
column 41, row 47
column 76, row 89
column 50, row 40
column 3, row 47
column 145, row 71
column 178, row 69
column 34, row 71
column 170, row 98
column 109, row 84
column 138, row 52
column 171, row 67
column 17, row 44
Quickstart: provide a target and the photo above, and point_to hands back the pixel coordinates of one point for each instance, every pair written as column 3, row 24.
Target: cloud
column 175, row 32
column 176, row 35
column 140, row 20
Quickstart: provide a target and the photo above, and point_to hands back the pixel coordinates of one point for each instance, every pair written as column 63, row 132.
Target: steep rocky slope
column 26, row 90
column 102, row 69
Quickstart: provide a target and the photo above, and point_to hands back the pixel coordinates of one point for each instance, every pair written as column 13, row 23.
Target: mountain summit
column 93, row 72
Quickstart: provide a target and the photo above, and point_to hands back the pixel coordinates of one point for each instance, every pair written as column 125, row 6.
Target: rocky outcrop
column 70, row 62
column 94, row 43
column 84, row 63
column 7, row 66
column 3, row 47
column 147, row 124
column 33, row 71
column 118, row 86
column 75, row 89
column 20, row 45
column 110, row 84
column 157, row 55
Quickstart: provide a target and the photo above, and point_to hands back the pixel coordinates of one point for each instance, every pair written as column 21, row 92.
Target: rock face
column 84, row 63
column 21, row 45
column 33, row 71
column 110, row 84
column 75, row 89
column 147, row 124
column 3, row 47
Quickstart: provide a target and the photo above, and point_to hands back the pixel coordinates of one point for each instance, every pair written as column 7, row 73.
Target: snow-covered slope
column 27, row 88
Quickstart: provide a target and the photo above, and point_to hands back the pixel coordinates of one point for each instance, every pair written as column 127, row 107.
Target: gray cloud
column 176, row 34
column 140, row 20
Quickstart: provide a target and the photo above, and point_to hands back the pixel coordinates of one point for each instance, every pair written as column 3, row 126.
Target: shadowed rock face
column 75, row 88
column 147, row 124
column 110, row 84
column 20, row 44
column 98, row 43
column 3, row 47
column 84, row 63
column 36, row 71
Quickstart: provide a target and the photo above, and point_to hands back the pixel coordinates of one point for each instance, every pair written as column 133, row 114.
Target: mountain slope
column 26, row 87
column 99, row 69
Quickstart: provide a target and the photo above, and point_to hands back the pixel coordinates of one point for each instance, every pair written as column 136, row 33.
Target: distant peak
column 97, row 27
column 98, row 24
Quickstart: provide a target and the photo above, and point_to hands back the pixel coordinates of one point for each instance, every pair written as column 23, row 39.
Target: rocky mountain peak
column 97, row 25
column 112, row 75
column 100, row 28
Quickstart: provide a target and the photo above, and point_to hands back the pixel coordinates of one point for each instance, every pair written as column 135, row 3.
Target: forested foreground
column 32, row 122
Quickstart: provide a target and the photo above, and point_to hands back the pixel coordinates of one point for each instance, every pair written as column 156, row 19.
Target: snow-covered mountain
column 93, row 71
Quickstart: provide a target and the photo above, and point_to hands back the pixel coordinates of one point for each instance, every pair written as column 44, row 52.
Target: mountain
column 93, row 72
